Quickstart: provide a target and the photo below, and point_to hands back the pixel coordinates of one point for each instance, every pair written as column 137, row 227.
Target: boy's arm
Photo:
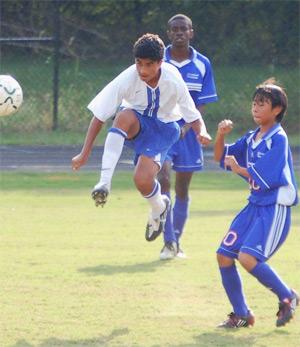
column 224, row 127
column 92, row 132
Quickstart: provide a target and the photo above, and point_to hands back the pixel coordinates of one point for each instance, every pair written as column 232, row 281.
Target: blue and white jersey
column 168, row 101
column 198, row 75
column 269, row 163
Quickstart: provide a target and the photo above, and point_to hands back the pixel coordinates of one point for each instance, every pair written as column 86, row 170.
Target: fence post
column 56, row 35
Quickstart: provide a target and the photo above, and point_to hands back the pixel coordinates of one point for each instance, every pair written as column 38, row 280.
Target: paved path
column 58, row 158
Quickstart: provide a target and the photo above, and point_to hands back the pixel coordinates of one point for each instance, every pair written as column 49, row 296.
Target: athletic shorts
column 186, row 154
column 154, row 138
column 257, row 230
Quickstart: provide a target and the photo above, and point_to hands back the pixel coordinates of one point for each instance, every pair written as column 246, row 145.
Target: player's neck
column 180, row 53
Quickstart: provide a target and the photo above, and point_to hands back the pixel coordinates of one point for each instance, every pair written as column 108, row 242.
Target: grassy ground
column 75, row 275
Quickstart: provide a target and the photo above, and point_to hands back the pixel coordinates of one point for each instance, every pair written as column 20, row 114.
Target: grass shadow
column 110, row 269
column 92, row 342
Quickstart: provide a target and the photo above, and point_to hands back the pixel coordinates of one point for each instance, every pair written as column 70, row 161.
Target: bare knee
column 164, row 177
column 224, row 261
column 247, row 261
column 127, row 121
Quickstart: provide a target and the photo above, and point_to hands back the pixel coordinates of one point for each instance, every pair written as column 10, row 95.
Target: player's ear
column 169, row 34
column 191, row 33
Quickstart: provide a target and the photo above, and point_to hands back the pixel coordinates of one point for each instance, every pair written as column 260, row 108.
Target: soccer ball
column 11, row 95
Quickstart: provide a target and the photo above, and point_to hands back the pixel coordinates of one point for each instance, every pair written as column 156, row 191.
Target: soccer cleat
column 287, row 309
column 180, row 253
column 169, row 251
column 100, row 195
column 156, row 226
column 234, row 321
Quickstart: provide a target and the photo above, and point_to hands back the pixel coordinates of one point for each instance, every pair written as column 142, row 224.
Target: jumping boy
column 263, row 158
column 186, row 156
column 152, row 94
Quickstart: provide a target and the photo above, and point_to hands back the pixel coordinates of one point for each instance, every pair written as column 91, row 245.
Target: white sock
column 155, row 200
column 112, row 151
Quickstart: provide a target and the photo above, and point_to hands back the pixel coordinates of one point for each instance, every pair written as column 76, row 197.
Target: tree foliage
column 230, row 32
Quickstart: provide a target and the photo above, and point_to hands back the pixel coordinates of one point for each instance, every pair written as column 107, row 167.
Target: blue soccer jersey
column 269, row 163
column 198, row 76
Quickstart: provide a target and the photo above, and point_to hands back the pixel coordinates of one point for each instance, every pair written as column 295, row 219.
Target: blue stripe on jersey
column 153, row 102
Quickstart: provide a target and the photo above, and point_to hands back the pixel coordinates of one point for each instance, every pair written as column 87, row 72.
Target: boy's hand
column 232, row 163
column 225, row 126
column 204, row 139
column 78, row 161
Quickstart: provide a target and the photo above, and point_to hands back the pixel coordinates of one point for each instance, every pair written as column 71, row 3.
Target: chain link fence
column 81, row 77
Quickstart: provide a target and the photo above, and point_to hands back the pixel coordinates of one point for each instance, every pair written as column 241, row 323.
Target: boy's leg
column 145, row 181
column 125, row 125
column 164, row 177
column 181, row 205
column 274, row 226
column 232, row 284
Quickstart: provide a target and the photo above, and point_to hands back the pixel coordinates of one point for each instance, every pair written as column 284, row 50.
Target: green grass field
column 75, row 275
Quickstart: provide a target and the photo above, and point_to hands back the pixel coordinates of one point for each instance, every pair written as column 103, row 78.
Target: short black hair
column 181, row 16
column 149, row 46
column 271, row 91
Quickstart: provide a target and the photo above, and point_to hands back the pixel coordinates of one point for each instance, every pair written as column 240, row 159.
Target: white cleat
column 169, row 251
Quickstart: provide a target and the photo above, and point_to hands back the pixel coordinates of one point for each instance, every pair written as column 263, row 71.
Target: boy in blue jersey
column 153, row 96
column 263, row 158
column 185, row 157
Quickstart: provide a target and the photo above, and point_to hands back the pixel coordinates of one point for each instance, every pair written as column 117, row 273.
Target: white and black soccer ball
column 11, row 95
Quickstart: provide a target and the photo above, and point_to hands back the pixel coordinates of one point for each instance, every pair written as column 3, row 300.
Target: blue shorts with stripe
column 257, row 230
column 186, row 154
column 154, row 138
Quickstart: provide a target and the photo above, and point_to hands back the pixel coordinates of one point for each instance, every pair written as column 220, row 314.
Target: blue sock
column 269, row 278
column 169, row 235
column 180, row 214
column 233, row 286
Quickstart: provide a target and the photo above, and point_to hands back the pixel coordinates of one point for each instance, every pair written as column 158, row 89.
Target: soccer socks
column 269, row 278
column 155, row 200
column 112, row 151
column 180, row 214
column 169, row 235
column 233, row 286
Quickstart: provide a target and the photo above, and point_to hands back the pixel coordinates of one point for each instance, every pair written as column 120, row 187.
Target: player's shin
column 112, row 151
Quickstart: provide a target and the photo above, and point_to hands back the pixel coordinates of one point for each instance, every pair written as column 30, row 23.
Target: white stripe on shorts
column 275, row 230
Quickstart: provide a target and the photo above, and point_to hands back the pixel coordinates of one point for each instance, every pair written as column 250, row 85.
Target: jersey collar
column 167, row 57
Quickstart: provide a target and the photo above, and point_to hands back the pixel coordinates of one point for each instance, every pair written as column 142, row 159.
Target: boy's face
column 180, row 33
column 263, row 113
column 148, row 70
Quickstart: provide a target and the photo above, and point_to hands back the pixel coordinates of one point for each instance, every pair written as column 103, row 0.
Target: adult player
column 263, row 158
column 186, row 156
column 152, row 94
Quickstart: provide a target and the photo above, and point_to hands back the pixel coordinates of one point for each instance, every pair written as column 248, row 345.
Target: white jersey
column 169, row 101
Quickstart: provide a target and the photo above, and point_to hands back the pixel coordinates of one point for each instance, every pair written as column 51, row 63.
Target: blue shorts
column 257, row 230
column 186, row 154
column 154, row 138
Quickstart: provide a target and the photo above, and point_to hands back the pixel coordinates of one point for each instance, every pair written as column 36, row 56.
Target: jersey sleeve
column 268, row 171
column 107, row 101
column 208, row 93
column 185, row 102
column 238, row 150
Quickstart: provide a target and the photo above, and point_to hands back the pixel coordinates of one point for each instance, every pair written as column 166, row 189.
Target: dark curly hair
column 149, row 46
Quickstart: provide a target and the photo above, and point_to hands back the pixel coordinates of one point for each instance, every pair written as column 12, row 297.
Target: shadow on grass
column 225, row 338
column 92, row 342
column 116, row 269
